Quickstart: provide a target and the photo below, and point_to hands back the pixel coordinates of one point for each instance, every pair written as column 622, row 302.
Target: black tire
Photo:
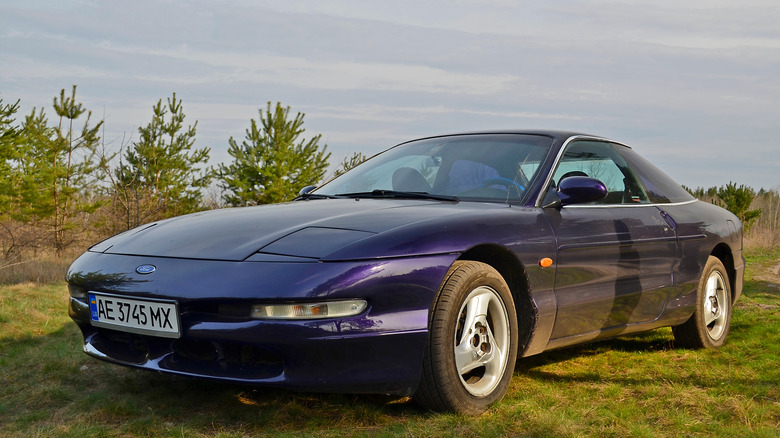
column 709, row 324
column 472, row 342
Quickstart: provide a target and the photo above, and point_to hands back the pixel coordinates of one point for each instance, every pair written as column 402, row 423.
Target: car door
column 614, row 257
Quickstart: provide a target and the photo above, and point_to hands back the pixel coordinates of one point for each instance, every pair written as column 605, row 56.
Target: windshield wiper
column 379, row 193
column 311, row 195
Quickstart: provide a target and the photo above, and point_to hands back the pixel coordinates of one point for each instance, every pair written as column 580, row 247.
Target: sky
column 692, row 85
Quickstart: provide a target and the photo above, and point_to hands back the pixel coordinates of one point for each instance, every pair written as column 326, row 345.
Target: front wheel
column 709, row 324
column 472, row 342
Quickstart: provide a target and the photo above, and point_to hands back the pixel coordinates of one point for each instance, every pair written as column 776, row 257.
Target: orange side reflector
column 545, row 262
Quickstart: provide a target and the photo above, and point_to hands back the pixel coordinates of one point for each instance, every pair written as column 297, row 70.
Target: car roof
column 559, row 135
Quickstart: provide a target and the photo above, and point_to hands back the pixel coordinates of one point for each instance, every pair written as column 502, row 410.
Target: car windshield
column 489, row 167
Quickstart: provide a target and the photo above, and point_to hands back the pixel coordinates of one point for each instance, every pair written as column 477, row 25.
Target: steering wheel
column 501, row 181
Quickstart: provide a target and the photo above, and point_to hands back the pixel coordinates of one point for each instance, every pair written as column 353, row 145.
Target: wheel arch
column 723, row 253
column 514, row 273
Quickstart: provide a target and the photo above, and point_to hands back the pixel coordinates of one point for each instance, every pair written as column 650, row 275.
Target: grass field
column 632, row 386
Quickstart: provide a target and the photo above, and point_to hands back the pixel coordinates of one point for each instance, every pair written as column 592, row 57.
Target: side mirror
column 581, row 190
column 306, row 190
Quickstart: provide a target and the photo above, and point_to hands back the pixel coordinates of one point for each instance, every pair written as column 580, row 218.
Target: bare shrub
column 765, row 233
column 37, row 268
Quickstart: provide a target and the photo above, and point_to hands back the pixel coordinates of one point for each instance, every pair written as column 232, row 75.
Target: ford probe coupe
column 425, row 271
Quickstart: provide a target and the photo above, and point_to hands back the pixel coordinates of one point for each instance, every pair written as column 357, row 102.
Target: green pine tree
column 9, row 134
column 272, row 164
column 48, row 170
column 73, row 165
column 161, row 175
column 738, row 201
column 34, row 177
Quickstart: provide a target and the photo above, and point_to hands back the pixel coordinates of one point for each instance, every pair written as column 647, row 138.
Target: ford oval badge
column 145, row 269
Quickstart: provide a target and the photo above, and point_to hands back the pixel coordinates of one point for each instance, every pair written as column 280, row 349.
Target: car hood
column 279, row 232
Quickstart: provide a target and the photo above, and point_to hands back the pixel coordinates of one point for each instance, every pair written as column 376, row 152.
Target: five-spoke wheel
column 482, row 345
column 709, row 325
column 472, row 344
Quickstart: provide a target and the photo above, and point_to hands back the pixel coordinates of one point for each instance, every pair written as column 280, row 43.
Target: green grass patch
column 632, row 386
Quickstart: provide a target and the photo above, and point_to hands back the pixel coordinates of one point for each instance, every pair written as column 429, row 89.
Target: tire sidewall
column 713, row 265
column 465, row 278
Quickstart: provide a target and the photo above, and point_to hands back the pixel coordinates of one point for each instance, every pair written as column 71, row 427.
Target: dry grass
column 765, row 234
column 36, row 268
column 758, row 240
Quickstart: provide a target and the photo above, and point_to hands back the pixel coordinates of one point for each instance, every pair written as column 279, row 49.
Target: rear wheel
column 709, row 324
column 472, row 342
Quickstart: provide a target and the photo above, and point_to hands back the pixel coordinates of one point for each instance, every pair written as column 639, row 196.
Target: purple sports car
column 425, row 271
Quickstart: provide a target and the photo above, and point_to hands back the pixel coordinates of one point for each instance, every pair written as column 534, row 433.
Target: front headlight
column 330, row 309
column 76, row 292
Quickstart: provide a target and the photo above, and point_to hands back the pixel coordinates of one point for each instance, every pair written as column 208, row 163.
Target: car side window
column 661, row 189
column 599, row 160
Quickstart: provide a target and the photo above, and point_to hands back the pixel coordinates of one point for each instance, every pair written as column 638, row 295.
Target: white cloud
column 409, row 114
column 698, row 77
column 265, row 67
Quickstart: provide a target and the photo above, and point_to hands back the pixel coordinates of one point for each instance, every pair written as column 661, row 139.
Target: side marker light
column 545, row 262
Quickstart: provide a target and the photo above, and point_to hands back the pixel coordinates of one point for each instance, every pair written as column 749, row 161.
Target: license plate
column 135, row 315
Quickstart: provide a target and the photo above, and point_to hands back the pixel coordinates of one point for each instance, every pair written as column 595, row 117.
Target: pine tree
column 161, row 175
column 272, row 164
column 34, row 177
column 9, row 134
column 48, row 169
column 73, row 165
column 738, row 201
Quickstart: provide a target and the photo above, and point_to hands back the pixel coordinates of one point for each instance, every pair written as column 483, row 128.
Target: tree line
column 759, row 210
column 736, row 199
column 60, row 186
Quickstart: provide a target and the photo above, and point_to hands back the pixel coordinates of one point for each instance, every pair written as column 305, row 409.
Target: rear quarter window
column 661, row 189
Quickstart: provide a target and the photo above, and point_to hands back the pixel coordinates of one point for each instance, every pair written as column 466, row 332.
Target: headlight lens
column 76, row 292
column 330, row 309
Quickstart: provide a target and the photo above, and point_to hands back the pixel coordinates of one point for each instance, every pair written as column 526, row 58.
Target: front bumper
column 379, row 351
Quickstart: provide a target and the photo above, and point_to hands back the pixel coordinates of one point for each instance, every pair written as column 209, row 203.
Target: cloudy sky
column 693, row 85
